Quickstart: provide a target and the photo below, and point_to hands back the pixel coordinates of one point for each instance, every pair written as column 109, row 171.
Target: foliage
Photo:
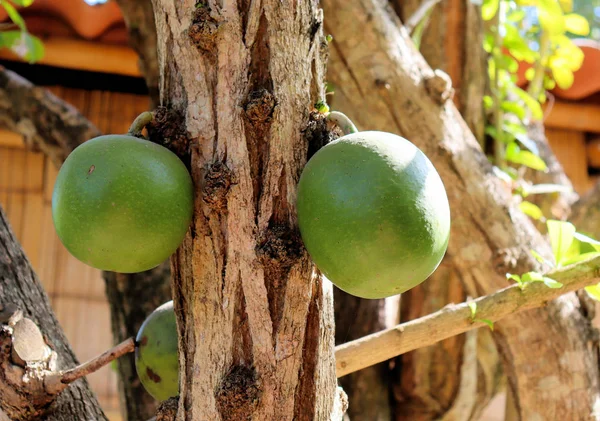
column 20, row 41
column 533, row 32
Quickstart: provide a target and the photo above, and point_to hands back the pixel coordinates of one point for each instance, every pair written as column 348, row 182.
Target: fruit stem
column 139, row 123
column 342, row 121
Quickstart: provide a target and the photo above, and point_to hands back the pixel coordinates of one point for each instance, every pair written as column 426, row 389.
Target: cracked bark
column 252, row 313
column 54, row 127
column 383, row 73
column 19, row 285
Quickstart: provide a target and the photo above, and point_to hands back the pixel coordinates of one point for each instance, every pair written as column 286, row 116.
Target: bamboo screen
column 76, row 290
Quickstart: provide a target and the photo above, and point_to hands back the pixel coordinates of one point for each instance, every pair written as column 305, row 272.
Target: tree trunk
column 255, row 320
column 383, row 73
column 54, row 127
column 19, row 286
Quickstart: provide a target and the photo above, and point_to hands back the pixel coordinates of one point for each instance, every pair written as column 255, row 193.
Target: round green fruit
column 373, row 214
column 156, row 355
column 122, row 204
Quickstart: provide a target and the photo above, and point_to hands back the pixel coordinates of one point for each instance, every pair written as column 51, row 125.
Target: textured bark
column 255, row 320
column 50, row 125
column 19, row 286
column 382, row 72
column 139, row 18
column 47, row 123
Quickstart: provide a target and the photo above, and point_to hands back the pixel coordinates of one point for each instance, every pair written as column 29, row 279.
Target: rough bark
column 255, row 320
column 52, row 126
column 382, row 72
column 139, row 18
column 19, row 286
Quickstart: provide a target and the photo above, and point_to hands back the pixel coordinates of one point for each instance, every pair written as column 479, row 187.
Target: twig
column 420, row 14
column 125, row 347
column 453, row 320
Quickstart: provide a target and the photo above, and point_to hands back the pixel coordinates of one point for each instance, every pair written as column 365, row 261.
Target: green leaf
column 551, row 17
column 14, row 15
column 529, row 74
column 540, row 258
column 514, row 108
column 516, row 129
column 515, row 278
column 531, row 210
column 488, row 322
column 576, row 258
column 473, row 306
column 593, row 291
column 515, row 155
column 533, row 276
column 488, row 42
column 502, row 175
column 23, row 44
column 563, row 76
column 551, row 283
column 24, row 3
column 561, row 238
column 549, row 83
column 577, row 24
column 488, row 102
column 534, row 106
column 585, row 239
column 489, row 9
column 528, row 143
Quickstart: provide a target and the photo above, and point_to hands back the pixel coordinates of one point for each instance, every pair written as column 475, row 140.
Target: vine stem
column 342, row 121
column 537, row 83
column 498, row 114
column 455, row 319
column 139, row 123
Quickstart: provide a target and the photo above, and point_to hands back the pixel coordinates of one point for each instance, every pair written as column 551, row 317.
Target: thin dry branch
column 456, row 319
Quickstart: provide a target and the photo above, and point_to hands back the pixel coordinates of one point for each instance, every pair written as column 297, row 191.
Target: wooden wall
column 76, row 291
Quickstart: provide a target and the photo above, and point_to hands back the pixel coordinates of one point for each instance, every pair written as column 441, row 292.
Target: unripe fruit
column 156, row 355
column 122, row 204
column 373, row 214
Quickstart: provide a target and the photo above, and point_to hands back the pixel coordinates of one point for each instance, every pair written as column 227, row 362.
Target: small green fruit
column 122, row 204
column 156, row 353
column 373, row 214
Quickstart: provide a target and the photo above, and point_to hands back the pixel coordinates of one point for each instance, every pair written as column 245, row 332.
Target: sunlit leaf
column 532, row 277
column 489, row 9
column 561, row 237
column 577, row 24
column 551, row 283
column 473, row 306
column 534, row 106
column 528, row 143
column 529, row 74
column 515, row 155
column 531, row 210
column 564, row 77
column 576, row 258
column 516, row 15
column 502, row 175
column 24, row 3
column 488, row 102
column 14, row 15
column 593, row 291
column 541, row 258
column 515, row 278
column 585, row 239
column 513, row 108
column 23, row 44
column 488, row 322
column 551, row 17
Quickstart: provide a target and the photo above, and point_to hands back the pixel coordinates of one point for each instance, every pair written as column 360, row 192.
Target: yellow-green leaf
column 561, row 237
column 577, row 24
column 489, row 9
column 531, row 210
column 551, row 17
column 563, row 76
column 593, row 291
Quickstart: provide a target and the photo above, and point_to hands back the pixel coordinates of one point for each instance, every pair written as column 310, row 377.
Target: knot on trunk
column 168, row 129
column 238, row 394
column 204, row 28
column 167, row 410
column 317, row 133
column 217, row 181
column 259, row 106
column 439, row 86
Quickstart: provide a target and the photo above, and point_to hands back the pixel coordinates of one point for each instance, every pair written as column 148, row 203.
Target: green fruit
column 122, row 204
column 373, row 214
column 156, row 355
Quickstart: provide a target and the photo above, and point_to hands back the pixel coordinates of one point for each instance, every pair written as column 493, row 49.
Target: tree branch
column 419, row 14
column 456, row 319
column 47, row 123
